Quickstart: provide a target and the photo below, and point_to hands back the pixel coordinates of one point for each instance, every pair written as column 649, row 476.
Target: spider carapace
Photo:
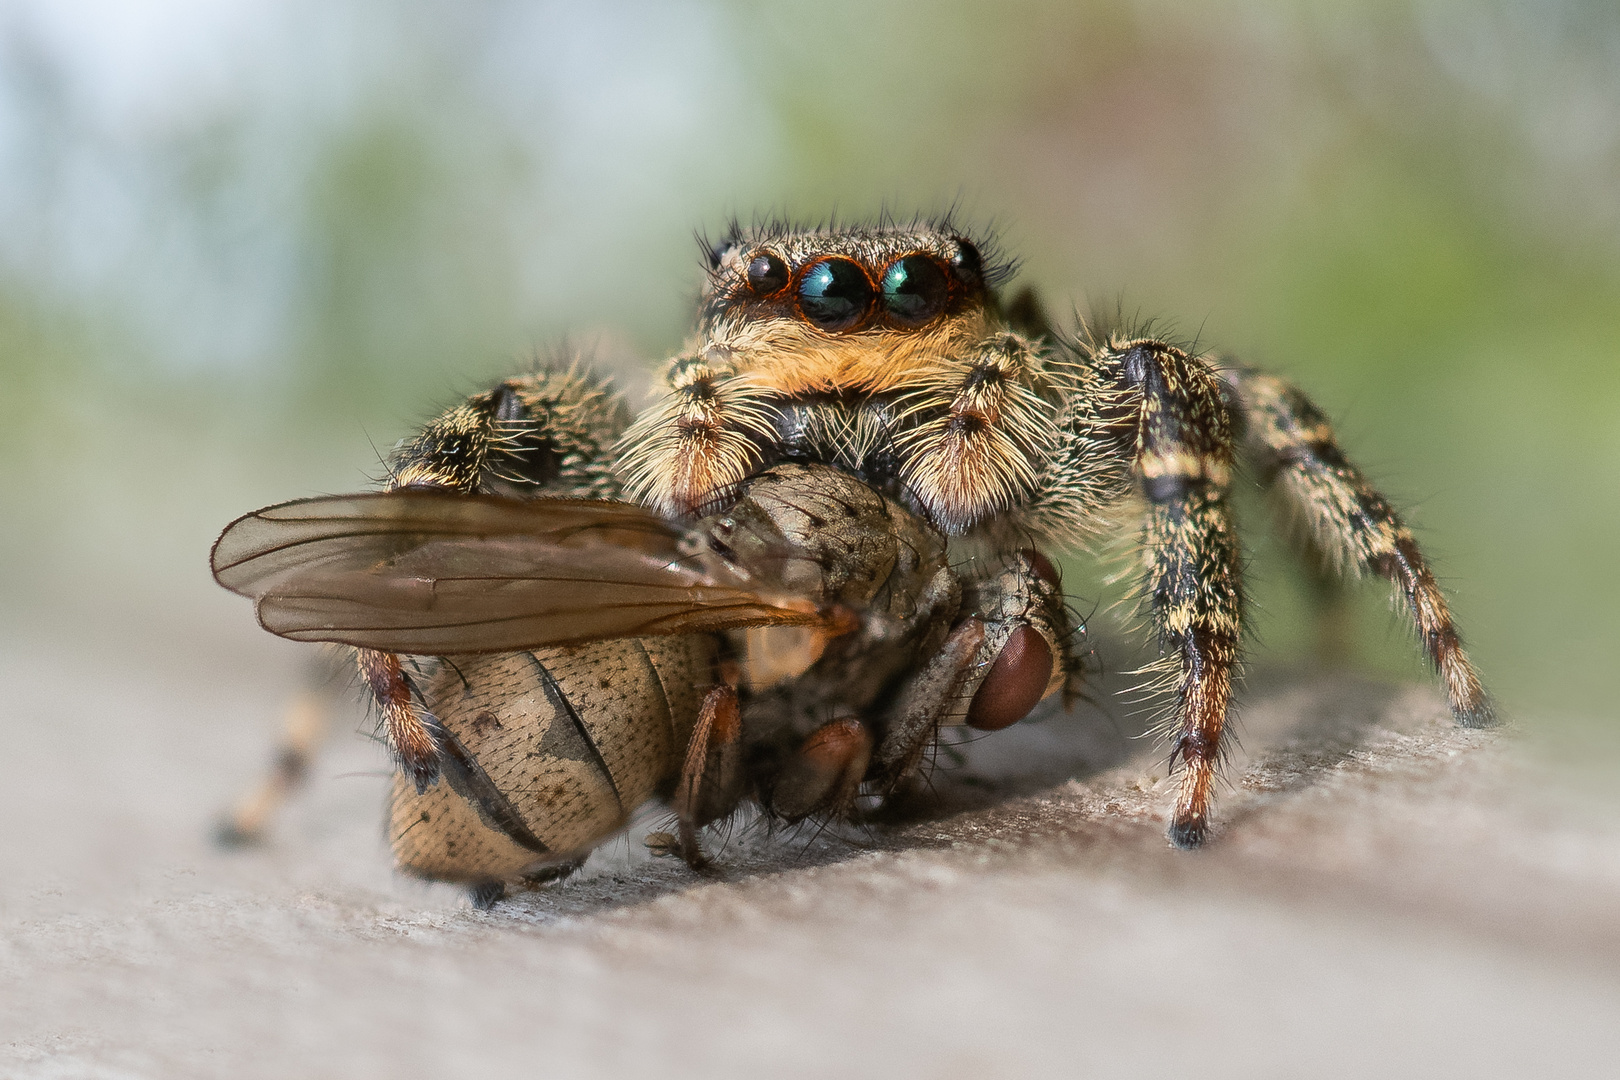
column 851, row 393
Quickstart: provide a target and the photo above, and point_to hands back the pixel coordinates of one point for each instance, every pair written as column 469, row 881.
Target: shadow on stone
column 1296, row 728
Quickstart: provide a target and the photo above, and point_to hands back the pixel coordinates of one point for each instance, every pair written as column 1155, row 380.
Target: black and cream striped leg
column 1192, row 585
column 1292, row 444
column 304, row 729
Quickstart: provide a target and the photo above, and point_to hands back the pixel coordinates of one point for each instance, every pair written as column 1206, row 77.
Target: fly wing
column 439, row 573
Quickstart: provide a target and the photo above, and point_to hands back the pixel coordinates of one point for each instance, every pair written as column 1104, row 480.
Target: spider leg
column 1162, row 410
column 307, row 724
column 545, row 432
column 1292, row 443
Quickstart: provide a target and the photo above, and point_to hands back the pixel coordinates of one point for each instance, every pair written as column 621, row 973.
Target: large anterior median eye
column 915, row 290
column 835, row 294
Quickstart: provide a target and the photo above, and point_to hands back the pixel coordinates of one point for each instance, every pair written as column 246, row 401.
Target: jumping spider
column 884, row 356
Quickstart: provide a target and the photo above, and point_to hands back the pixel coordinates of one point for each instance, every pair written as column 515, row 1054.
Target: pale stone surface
column 1386, row 896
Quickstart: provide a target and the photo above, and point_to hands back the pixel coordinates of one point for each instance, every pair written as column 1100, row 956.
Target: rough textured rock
column 1386, row 895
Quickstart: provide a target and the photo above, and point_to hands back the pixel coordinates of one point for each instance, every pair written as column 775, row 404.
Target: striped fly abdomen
column 547, row 753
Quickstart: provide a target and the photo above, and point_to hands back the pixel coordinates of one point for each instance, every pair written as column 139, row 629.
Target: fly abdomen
column 548, row 752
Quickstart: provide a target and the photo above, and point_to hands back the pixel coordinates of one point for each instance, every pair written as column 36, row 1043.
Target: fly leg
column 712, row 777
column 824, row 774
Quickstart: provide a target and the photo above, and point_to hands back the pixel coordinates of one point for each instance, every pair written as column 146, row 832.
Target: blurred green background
column 245, row 245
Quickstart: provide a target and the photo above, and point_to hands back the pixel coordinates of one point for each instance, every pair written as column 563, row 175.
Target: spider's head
column 844, row 283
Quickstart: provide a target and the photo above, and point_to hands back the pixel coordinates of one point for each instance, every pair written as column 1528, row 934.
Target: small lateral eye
column 915, row 290
column 835, row 294
column 968, row 264
column 767, row 274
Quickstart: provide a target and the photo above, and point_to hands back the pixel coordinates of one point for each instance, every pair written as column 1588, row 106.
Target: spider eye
column 968, row 264
column 835, row 294
column 915, row 290
column 767, row 274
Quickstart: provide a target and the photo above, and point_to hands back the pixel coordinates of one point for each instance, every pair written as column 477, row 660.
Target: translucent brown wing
column 438, row 573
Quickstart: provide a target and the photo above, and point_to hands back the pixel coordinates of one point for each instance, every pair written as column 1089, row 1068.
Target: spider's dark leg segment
column 547, row 432
column 975, row 432
column 1293, row 445
column 1183, row 463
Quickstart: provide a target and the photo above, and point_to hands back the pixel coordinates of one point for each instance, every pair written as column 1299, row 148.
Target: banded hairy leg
column 1144, row 418
column 1147, row 419
column 1292, row 445
column 304, row 727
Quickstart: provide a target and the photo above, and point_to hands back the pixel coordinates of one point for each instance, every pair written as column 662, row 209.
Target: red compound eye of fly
column 1017, row 680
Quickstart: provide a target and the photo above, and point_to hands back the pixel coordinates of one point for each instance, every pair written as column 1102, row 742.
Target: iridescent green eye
column 767, row 274
column 835, row 294
column 915, row 290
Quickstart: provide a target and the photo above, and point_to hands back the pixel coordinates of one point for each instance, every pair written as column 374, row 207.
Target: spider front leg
column 1182, row 464
column 1293, row 446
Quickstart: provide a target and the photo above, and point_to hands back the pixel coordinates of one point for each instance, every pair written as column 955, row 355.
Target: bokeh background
column 246, row 244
